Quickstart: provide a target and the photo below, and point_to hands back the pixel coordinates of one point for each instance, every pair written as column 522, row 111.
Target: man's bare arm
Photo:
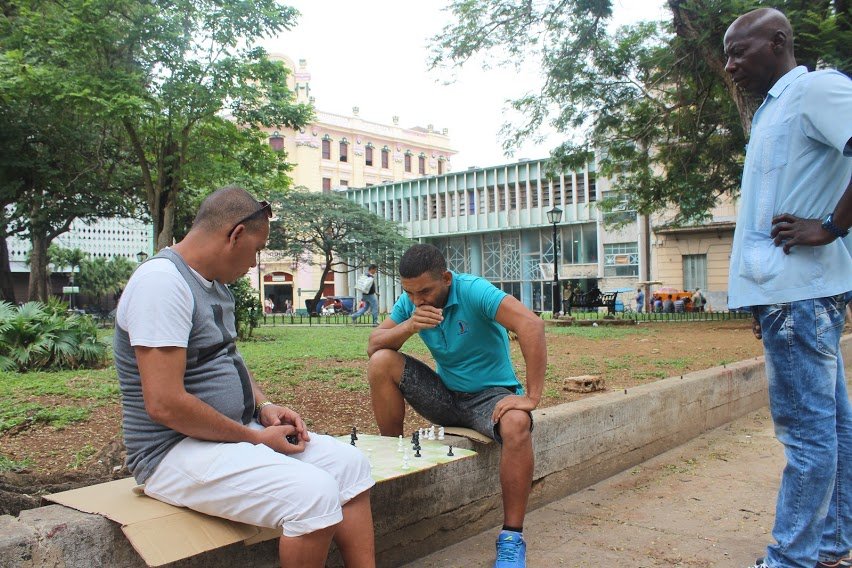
column 167, row 402
column 529, row 328
column 391, row 335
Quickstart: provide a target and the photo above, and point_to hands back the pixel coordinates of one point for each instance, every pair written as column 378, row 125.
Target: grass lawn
column 57, row 421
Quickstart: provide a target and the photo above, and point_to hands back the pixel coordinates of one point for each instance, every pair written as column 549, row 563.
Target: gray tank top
column 215, row 373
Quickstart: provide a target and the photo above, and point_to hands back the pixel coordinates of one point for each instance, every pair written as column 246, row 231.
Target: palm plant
column 37, row 336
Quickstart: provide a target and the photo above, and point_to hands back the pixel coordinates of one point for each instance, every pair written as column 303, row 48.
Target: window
column 408, row 161
column 579, row 244
column 326, row 148
column 326, row 185
column 581, row 189
column 421, row 164
column 368, row 155
column 385, row 157
column 344, row 151
column 440, row 167
column 694, row 271
column 344, row 183
column 557, row 192
column 593, row 188
column 621, row 259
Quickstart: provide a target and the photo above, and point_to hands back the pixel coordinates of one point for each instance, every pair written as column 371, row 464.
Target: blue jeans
column 371, row 303
column 813, row 419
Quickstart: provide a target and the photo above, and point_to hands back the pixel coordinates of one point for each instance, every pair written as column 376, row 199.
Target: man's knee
column 316, row 504
column 515, row 426
column 385, row 365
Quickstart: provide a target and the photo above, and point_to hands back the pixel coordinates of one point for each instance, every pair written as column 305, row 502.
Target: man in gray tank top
column 199, row 431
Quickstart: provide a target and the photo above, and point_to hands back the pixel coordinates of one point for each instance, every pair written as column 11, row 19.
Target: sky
column 372, row 54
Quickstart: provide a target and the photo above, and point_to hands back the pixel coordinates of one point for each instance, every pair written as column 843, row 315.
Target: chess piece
column 441, row 433
column 399, row 445
column 450, row 453
column 417, row 452
column 354, row 433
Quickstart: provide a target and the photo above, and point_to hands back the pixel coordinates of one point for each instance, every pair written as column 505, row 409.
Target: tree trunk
column 39, row 287
column 712, row 55
column 7, row 289
column 166, row 215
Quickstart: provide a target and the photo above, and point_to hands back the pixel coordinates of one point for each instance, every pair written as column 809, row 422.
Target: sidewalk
column 708, row 503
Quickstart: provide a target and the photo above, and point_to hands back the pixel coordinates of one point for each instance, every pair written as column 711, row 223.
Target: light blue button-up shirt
column 470, row 348
column 798, row 161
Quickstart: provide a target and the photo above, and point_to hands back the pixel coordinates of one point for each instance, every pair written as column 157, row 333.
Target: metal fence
column 304, row 319
column 593, row 314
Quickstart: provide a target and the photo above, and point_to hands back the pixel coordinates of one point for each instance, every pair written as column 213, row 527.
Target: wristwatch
column 260, row 407
column 828, row 225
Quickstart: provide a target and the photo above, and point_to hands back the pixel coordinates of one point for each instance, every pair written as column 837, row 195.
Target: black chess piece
column 450, row 453
column 354, row 433
column 417, row 452
column 353, row 437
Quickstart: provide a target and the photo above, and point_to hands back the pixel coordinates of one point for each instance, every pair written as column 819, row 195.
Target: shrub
column 37, row 336
column 247, row 308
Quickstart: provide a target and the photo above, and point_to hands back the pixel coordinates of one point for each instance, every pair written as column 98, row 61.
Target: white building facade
column 493, row 222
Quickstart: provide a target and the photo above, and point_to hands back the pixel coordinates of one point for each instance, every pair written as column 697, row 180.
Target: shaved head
column 224, row 207
column 764, row 23
column 759, row 49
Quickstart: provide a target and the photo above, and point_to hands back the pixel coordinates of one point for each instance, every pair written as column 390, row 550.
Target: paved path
column 708, row 503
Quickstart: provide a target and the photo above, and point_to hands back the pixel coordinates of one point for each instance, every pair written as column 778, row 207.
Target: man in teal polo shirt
column 463, row 319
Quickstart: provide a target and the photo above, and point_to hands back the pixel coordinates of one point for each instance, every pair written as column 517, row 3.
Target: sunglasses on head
column 265, row 208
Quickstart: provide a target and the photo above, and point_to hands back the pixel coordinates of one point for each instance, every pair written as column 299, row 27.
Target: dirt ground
column 87, row 452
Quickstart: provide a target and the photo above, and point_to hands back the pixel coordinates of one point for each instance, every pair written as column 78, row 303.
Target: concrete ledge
column 576, row 445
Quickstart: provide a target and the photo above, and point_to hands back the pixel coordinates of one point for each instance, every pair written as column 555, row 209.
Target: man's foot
column 511, row 550
column 845, row 562
column 759, row 564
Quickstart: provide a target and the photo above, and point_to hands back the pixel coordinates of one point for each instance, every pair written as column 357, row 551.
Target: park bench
column 594, row 298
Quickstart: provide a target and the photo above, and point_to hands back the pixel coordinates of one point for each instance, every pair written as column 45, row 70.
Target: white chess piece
column 432, row 433
column 441, row 433
column 399, row 445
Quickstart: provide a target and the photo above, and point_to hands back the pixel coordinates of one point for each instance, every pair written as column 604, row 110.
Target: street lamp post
column 553, row 217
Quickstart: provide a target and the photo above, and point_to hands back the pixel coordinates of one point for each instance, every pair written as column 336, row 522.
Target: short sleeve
column 156, row 306
column 490, row 297
column 827, row 110
column 402, row 309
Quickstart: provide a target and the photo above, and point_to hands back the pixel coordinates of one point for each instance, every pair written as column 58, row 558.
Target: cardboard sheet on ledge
column 467, row 433
column 162, row 533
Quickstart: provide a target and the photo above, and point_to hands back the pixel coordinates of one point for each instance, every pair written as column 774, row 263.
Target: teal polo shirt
column 470, row 348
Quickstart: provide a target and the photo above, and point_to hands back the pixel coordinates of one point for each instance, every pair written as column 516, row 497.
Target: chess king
column 463, row 320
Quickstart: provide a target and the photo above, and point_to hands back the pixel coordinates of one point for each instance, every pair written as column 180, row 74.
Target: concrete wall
column 576, row 445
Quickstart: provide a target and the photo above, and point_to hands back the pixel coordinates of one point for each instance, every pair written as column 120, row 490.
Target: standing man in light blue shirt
column 792, row 265
column 463, row 319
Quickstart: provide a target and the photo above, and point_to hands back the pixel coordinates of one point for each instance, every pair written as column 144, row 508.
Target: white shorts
column 301, row 493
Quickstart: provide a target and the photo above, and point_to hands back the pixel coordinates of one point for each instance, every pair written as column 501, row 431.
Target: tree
column 652, row 99
column 59, row 161
column 99, row 276
column 177, row 75
column 342, row 235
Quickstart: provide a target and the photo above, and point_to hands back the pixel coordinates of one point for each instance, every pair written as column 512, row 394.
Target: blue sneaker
column 511, row 550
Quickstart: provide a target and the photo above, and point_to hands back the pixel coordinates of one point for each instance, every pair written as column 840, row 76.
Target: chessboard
column 387, row 455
